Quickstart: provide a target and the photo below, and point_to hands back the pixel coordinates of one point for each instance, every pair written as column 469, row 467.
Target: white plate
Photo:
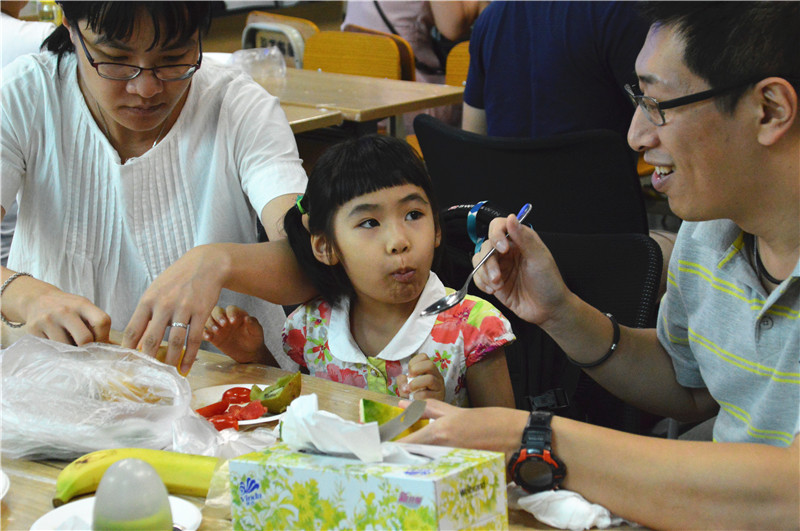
column 184, row 514
column 210, row 395
column 4, row 484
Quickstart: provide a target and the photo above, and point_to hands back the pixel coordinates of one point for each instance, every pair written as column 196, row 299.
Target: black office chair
column 616, row 273
column 584, row 182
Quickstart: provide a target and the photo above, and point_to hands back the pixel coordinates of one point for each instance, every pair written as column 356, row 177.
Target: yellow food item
column 181, row 473
column 370, row 410
column 127, row 391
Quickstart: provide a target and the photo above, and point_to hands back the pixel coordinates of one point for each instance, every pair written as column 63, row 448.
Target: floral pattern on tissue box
column 283, row 489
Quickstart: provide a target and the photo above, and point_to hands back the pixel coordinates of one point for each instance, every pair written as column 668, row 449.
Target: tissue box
column 279, row 488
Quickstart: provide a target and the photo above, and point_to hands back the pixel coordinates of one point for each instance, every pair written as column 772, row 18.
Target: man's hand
column 483, row 428
column 522, row 273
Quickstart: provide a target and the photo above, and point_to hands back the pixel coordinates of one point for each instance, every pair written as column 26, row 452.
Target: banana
column 181, row 473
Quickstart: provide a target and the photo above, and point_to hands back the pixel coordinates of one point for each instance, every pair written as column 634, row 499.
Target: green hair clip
column 299, row 206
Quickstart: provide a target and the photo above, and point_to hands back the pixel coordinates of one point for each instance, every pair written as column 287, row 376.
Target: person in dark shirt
column 542, row 68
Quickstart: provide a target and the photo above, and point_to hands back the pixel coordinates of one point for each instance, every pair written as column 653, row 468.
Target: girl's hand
column 424, row 380
column 237, row 334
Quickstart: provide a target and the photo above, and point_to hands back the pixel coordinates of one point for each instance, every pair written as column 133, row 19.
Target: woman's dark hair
column 173, row 21
column 347, row 170
column 732, row 42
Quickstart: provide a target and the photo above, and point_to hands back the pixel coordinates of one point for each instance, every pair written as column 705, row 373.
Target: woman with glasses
column 126, row 151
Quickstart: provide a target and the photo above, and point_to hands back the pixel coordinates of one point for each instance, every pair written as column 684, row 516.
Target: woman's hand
column 51, row 313
column 238, row 335
column 185, row 292
column 424, row 380
column 522, row 273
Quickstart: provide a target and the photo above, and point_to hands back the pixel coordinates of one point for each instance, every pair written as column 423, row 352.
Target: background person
column 539, row 69
column 422, row 24
column 128, row 155
column 728, row 339
column 18, row 37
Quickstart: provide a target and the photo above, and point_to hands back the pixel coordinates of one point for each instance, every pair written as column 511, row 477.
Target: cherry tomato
column 251, row 411
column 236, row 395
column 224, row 421
column 217, row 408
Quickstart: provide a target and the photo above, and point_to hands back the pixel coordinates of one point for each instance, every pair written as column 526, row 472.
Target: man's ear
column 778, row 109
column 323, row 250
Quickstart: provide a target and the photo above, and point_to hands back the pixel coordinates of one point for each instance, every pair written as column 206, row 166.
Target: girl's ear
column 438, row 239
column 323, row 250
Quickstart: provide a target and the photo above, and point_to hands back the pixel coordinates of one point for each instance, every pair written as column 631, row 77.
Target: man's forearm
column 681, row 484
column 639, row 371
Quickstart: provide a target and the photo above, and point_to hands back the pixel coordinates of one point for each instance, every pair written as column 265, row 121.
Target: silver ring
column 180, row 325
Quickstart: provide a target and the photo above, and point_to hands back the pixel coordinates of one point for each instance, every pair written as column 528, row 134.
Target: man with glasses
column 129, row 155
column 718, row 115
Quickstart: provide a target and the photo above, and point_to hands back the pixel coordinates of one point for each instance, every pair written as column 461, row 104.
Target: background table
column 303, row 119
column 361, row 98
column 33, row 482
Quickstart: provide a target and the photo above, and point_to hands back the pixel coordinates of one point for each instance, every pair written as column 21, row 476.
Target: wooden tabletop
column 303, row 119
column 361, row 98
column 33, row 482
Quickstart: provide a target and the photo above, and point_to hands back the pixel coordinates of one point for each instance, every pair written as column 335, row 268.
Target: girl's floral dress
column 318, row 337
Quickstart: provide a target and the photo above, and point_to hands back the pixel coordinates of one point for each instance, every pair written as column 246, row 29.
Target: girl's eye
column 414, row 215
column 369, row 224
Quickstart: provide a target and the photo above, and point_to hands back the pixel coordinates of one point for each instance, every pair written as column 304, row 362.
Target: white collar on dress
column 406, row 342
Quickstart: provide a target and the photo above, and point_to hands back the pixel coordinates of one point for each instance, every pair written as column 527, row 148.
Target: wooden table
column 304, row 119
column 33, row 482
column 359, row 98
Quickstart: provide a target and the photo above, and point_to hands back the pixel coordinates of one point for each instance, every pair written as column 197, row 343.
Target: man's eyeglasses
column 123, row 72
column 654, row 109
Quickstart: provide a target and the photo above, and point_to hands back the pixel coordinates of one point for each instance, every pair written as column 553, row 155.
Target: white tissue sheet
column 305, row 427
column 564, row 509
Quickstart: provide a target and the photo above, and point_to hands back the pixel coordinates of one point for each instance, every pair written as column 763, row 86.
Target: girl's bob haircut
column 345, row 171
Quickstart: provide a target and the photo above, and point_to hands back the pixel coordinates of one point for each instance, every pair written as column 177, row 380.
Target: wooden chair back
column 347, row 52
column 408, row 71
column 457, row 65
column 305, row 27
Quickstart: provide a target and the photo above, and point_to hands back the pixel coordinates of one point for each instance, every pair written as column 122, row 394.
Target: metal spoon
column 448, row 301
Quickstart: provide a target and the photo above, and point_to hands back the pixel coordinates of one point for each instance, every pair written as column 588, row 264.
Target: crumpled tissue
column 305, row 428
column 564, row 509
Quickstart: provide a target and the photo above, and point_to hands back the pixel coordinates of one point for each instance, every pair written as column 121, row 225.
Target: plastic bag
column 61, row 401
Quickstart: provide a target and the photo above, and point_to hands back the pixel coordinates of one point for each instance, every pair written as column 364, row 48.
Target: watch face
column 535, row 475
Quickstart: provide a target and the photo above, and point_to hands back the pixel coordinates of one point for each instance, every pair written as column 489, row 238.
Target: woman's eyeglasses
column 123, row 72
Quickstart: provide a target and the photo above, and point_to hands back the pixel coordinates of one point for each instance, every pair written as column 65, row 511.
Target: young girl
column 366, row 233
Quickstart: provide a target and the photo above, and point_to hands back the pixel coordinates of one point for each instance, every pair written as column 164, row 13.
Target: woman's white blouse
column 98, row 228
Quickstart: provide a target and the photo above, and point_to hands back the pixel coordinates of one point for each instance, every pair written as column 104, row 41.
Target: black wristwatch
column 534, row 467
